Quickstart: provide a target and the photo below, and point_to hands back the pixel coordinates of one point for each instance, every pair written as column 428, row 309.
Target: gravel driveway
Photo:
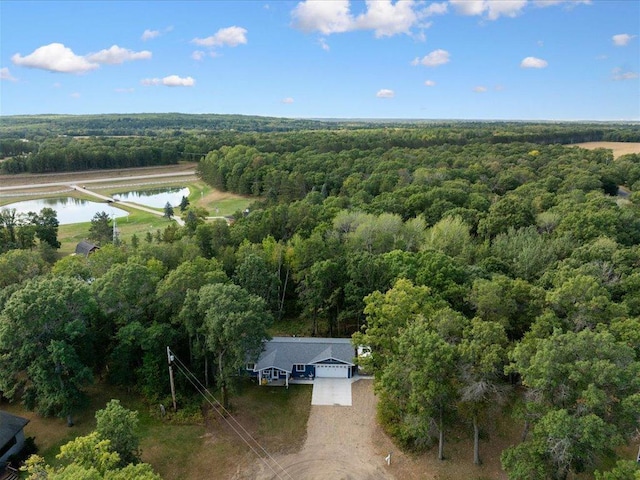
column 343, row 443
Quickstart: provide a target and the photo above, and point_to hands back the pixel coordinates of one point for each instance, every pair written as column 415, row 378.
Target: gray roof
column 9, row 426
column 284, row 352
column 84, row 247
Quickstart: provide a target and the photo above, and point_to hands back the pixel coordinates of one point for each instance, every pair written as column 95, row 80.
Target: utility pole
column 173, row 385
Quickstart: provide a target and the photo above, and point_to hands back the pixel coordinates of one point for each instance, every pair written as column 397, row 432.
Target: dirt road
column 33, row 182
column 178, row 220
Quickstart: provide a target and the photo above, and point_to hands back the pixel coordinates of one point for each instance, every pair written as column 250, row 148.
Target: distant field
column 618, row 148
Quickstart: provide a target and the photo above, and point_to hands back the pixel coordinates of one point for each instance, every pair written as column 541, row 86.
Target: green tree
column 387, row 314
column 255, row 275
column 515, row 304
column 510, row 211
column 100, row 230
column 428, row 365
column 168, row 210
column 46, row 226
column 46, row 342
column 9, row 224
column 126, row 292
column 76, row 266
column 119, row 425
column 233, row 324
column 184, row 203
column 584, row 394
column 623, row 470
column 450, row 236
column 87, row 458
column 321, row 293
column 482, row 358
column 190, row 275
column 17, row 266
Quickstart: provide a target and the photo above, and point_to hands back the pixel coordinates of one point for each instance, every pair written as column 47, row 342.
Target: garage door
column 332, row 371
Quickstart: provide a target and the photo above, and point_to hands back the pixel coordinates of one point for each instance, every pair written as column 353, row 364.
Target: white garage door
column 332, row 371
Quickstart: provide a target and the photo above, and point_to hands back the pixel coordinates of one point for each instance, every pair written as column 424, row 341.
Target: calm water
column 156, row 198
column 69, row 210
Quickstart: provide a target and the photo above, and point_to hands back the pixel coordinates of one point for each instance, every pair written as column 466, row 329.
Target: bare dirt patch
column 618, row 148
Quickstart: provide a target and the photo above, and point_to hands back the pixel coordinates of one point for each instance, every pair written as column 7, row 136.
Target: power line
column 226, row 415
column 206, row 394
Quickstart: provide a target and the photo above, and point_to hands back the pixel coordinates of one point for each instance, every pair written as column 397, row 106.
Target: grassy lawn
column 137, row 222
column 276, row 417
column 215, row 202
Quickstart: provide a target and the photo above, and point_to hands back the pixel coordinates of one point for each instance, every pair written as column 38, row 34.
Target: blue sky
column 456, row 59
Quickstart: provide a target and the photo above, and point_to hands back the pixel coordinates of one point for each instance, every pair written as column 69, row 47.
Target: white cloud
column 124, row 90
column 55, row 57
column 479, row 89
column 57, row 85
column 230, row 36
column 491, row 9
column 436, row 9
column 117, row 55
column 618, row 74
column 149, row 34
column 468, row 7
column 540, row 43
column 74, row 95
column 433, row 59
column 387, row 19
column 6, row 75
column 622, row 39
column 568, row 3
column 287, row 100
column 198, row 55
column 322, row 16
column 385, row 93
column 533, row 62
column 430, row 83
column 170, row 81
column 324, row 45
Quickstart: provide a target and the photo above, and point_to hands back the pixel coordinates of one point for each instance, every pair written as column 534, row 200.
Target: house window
column 299, row 367
column 251, row 366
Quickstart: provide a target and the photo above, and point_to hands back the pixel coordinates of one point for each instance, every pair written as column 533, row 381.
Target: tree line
column 56, row 143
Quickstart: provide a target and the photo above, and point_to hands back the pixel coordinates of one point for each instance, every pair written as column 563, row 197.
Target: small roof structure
column 284, row 352
column 85, row 248
column 10, row 425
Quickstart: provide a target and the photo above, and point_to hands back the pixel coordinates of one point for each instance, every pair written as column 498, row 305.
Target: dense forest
column 58, row 143
column 492, row 269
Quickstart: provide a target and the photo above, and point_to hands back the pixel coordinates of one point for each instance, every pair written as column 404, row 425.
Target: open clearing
column 618, row 148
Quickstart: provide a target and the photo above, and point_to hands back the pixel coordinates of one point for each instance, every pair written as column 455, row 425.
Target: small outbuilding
column 86, row 248
column 285, row 359
column 11, row 436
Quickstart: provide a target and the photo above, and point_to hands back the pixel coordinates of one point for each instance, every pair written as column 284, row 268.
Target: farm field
column 618, row 148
